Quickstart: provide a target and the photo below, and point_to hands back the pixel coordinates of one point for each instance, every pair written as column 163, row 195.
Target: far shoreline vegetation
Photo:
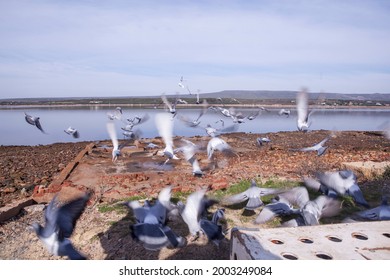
column 237, row 98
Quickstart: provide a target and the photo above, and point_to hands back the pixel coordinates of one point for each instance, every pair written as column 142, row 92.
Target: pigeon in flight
column 308, row 211
column 71, row 131
column 150, row 227
column 217, row 144
column 284, row 112
column 164, row 125
column 342, row 182
column 252, row 195
column 33, row 121
column 189, row 150
column 194, row 212
column 196, row 122
column 59, row 225
column 171, row 107
column 319, row 147
column 213, row 132
column 303, row 123
column 116, row 114
column 114, row 139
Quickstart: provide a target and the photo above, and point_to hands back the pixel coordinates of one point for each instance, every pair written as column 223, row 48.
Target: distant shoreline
column 184, row 106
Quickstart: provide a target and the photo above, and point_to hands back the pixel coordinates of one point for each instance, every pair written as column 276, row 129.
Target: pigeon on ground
column 71, row 131
column 253, row 195
column 59, row 225
column 379, row 213
column 319, row 147
column 33, row 121
column 342, row 182
column 261, row 140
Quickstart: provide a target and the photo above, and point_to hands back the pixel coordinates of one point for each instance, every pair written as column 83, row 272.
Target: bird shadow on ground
column 119, row 245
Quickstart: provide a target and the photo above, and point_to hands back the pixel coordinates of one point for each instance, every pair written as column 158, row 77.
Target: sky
column 85, row 48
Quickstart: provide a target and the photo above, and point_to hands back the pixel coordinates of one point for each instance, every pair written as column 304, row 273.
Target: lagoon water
column 91, row 122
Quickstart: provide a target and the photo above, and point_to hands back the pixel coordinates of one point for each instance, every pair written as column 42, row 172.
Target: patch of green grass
column 179, row 196
column 117, row 207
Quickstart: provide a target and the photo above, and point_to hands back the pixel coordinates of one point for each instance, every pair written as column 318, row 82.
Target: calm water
column 91, row 123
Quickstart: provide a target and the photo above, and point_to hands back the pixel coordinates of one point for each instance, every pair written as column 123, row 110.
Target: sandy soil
column 105, row 234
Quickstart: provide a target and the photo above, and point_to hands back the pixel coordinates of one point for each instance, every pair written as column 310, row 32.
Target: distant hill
column 269, row 94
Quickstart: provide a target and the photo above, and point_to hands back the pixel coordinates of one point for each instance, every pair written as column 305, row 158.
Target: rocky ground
column 103, row 230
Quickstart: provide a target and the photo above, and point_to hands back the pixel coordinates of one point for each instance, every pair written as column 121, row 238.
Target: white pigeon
column 71, row 131
column 189, row 150
column 114, row 139
column 303, row 111
column 116, row 114
column 164, row 125
column 217, row 144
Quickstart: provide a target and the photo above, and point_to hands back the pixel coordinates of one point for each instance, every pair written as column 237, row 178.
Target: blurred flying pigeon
column 303, row 111
column 164, row 125
column 59, row 225
column 253, row 195
column 33, row 121
column 342, row 182
column 319, row 147
column 71, row 131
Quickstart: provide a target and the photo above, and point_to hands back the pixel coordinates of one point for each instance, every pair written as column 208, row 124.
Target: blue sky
column 134, row 48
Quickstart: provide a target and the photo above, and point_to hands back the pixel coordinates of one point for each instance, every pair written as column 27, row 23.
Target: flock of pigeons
column 151, row 218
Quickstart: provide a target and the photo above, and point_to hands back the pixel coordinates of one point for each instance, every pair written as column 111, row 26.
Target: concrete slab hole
column 359, row 236
column 277, row 241
column 289, row 256
column 334, row 238
column 324, row 256
column 306, row 240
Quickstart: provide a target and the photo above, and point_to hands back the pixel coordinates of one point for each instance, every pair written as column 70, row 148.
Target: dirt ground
column 104, row 234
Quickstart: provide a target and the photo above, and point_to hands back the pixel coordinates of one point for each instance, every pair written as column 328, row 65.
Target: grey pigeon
column 59, row 225
column 253, row 195
column 212, row 229
column 379, row 213
column 150, row 227
column 342, row 182
column 319, row 147
column 308, row 211
column 33, row 121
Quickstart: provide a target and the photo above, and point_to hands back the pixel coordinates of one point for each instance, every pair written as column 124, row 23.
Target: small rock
column 9, row 190
column 34, row 208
